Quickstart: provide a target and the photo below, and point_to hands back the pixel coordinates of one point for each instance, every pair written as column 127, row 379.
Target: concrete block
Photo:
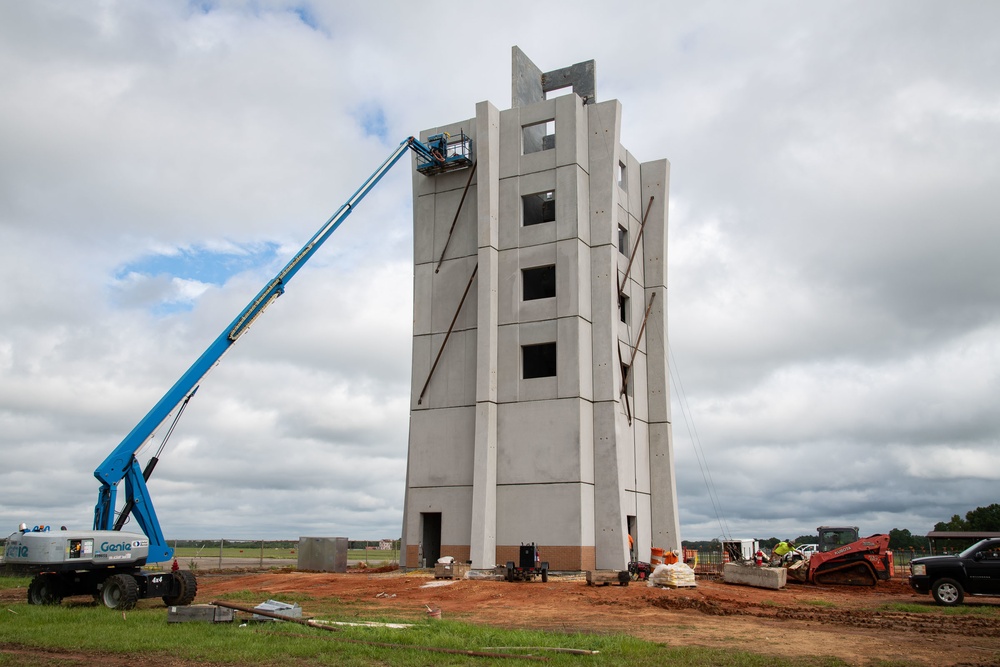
column 322, row 554
column 751, row 575
column 200, row 613
column 605, row 577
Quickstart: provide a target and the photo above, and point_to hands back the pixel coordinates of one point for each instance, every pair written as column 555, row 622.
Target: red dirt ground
column 855, row 624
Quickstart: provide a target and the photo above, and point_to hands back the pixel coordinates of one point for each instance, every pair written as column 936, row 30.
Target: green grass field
column 371, row 556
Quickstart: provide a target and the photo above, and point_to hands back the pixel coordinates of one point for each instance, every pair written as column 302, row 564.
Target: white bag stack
column 675, row 575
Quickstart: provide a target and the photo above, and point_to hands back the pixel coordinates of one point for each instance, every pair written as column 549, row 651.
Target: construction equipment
column 106, row 561
column 845, row 559
column 529, row 565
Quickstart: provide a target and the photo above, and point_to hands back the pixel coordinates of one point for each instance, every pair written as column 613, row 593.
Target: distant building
column 540, row 404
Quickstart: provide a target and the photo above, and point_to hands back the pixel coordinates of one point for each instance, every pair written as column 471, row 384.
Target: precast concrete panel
column 455, row 505
column 571, row 142
column 486, row 357
column 546, row 514
column 581, row 282
column 488, row 173
column 438, row 465
column 539, row 441
column 482, row 549
column 447, row 287
column 452, row 214
column 568, row 278
column 422, row 294
column 655, row 183
column 511, row 386
column 423, row 234
column 510, row 206
column 508, row 286
column 663, row 488
column 572, row 360
column 604, row 309
column 605, row 131
column 572, row 202
column 510, row 143
column 609, row 516
column 453, row 382
column 633, row 187
column 635, row 454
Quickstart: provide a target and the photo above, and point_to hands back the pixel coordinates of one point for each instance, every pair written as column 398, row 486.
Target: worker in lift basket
column 781, row 550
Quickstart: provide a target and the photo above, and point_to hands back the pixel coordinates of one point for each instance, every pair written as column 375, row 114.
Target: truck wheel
column 45, row 589
column 947, row 592
column 545, row 576
column 186, row 587
column 120, row 592
column 510, row 570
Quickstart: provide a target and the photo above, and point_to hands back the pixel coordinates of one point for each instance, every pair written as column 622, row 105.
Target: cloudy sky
column 835, row 225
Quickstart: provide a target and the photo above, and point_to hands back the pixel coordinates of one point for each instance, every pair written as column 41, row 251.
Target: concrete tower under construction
column 540, row 402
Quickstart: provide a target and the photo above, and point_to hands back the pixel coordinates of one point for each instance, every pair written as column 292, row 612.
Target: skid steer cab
column 529, row 565
column 104, row 564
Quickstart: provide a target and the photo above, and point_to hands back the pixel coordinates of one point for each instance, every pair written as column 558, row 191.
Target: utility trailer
column 529, row 565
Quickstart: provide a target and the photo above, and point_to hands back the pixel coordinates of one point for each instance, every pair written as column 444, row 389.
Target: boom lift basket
column 451, row 152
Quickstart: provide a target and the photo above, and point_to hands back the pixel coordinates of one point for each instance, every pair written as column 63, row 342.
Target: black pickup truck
column 975, row 571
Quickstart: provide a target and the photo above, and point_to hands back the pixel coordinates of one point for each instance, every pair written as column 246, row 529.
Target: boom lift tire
column 45, row 589
column 947, row 592
column 120, row 591
column 186, row 586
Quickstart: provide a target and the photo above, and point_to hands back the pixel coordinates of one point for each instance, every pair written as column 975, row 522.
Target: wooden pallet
column 606, row 577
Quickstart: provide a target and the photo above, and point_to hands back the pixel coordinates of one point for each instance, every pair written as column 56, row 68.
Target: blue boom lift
column 107, row 562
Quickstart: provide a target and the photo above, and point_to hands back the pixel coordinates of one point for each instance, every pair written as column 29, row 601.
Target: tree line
column 980, row 520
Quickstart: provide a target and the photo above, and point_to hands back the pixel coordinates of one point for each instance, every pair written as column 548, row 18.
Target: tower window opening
column 558, row 92
column 627, row 378
column 538, row 361
column 538, row 137
column 622, row 176
column 623, row 308
column 539, row 208
column 538, row 282
column 622, row 240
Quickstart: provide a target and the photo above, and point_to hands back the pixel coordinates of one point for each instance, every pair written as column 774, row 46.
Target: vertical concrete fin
column 482, row 548
column 664, row 520
column 526, row 80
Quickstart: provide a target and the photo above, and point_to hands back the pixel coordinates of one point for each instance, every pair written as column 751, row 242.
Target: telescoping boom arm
column 121, row 464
